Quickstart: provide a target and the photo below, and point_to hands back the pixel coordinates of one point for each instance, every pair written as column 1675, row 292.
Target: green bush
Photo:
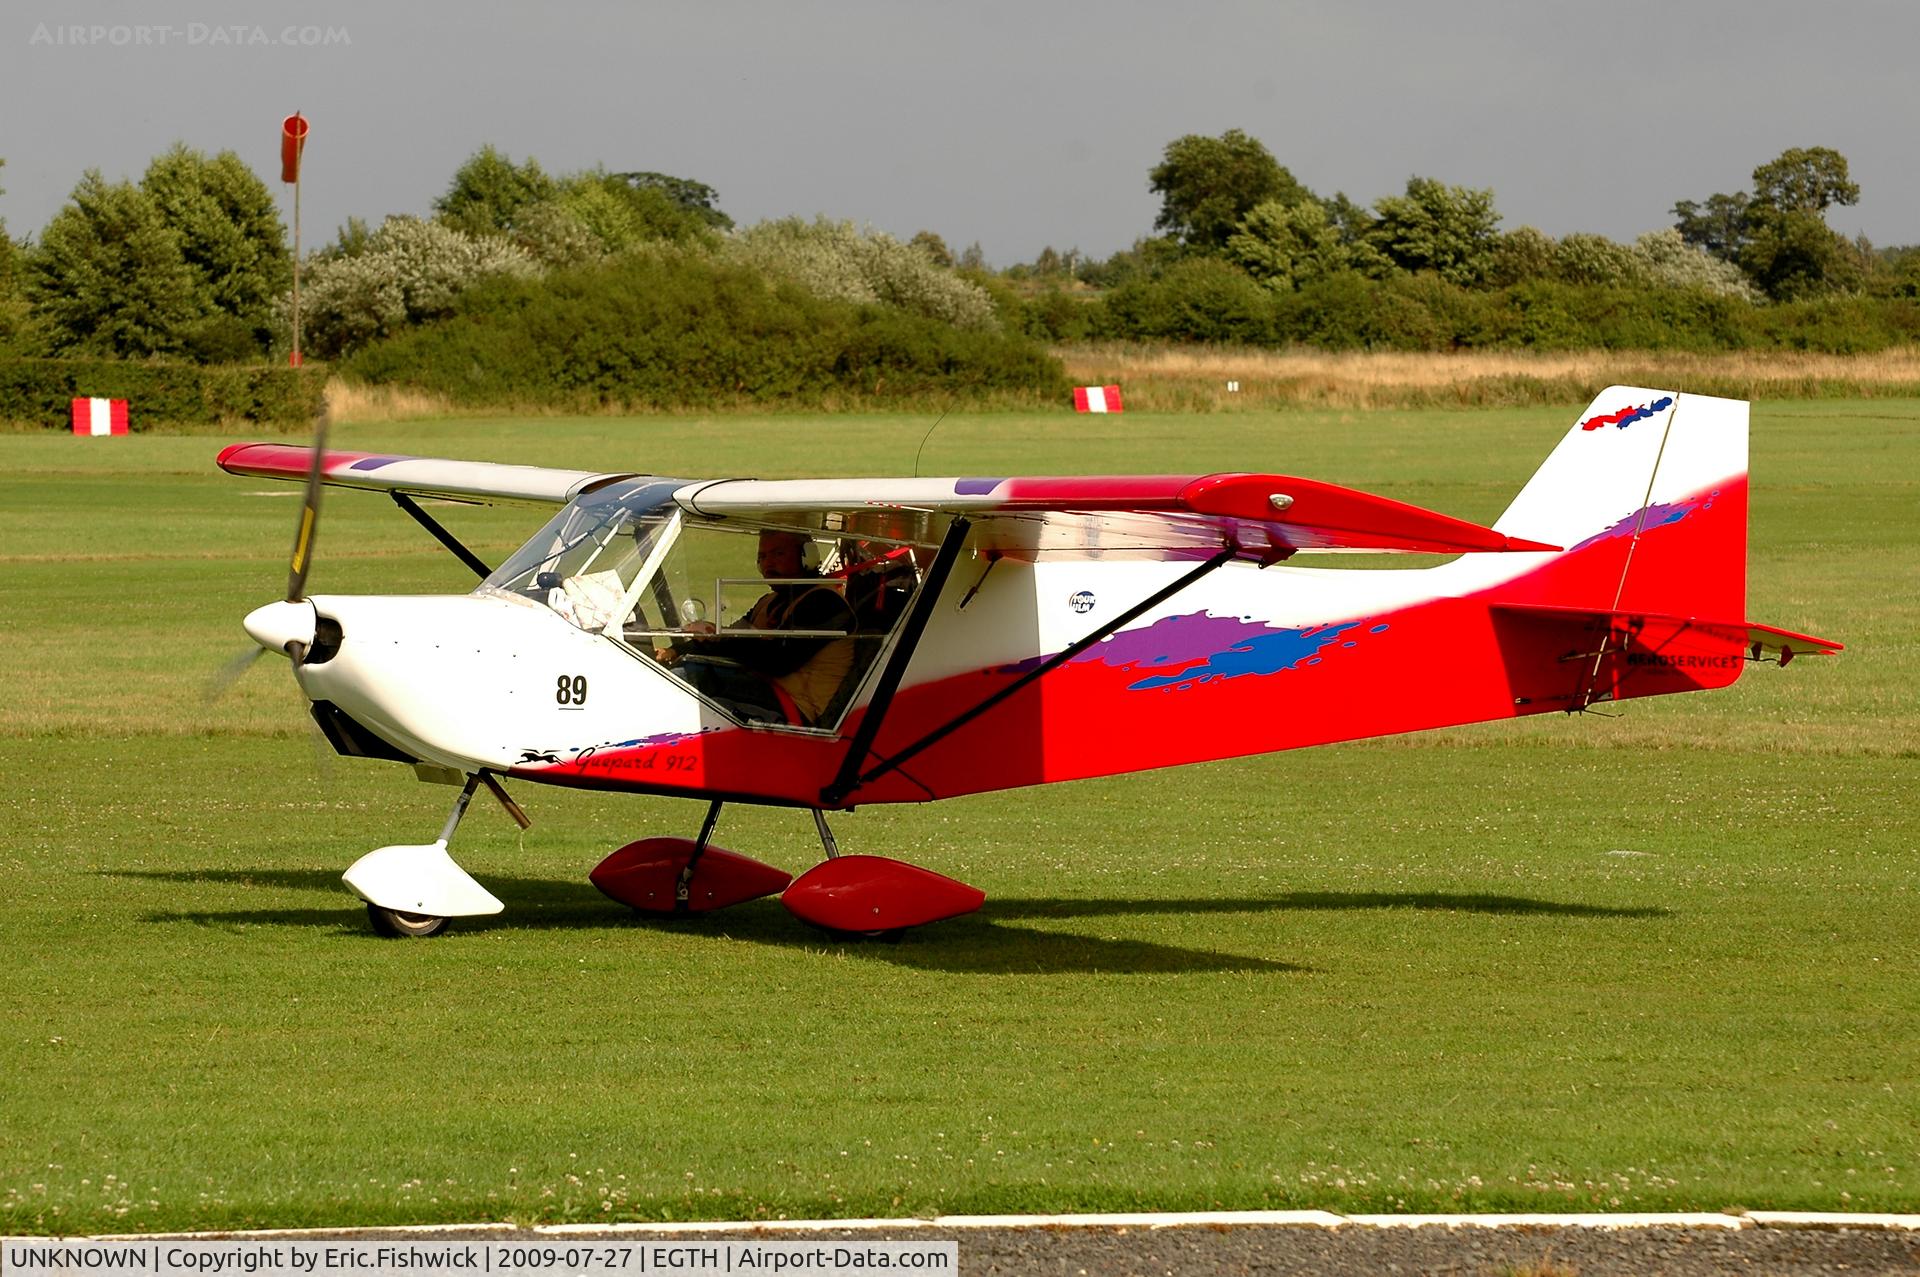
column 1059, row 316
column 406, row 272
column 838, row 260
column 1009, row 307
column 1199, row 299
column 1841, row 325
column 41, row 392
column 672, row 329
column 1521, row 254
column 1671, row 262
column 1349, row 311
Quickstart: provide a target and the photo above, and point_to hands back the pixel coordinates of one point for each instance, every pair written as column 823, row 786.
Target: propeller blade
column 309, row 524
column 229, row 673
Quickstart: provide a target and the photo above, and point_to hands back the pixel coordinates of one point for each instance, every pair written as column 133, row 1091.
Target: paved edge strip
column 1147, row 1220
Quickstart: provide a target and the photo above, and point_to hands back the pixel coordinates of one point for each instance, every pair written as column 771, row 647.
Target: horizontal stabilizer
column 1785, row 644
column 1758, row 642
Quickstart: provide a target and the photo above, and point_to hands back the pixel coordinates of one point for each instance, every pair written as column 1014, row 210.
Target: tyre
column 395, row 925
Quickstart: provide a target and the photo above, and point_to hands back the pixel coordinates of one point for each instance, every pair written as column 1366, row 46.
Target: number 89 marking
column 571, row 689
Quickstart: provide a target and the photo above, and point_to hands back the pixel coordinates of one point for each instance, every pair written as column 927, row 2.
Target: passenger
column 808, row 668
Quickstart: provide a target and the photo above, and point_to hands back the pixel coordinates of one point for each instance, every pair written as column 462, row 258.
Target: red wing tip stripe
column 286, row 460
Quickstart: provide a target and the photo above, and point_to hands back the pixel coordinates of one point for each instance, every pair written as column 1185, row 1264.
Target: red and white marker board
column 99, row 416
column 1096, row 399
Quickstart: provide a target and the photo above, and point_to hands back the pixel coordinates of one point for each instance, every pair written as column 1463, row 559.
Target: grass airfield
column 1657, row 961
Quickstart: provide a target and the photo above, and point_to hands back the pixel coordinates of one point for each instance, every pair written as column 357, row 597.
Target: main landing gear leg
column 826, row 834
column 412, row 890
column 674, row 877
column 683, row 889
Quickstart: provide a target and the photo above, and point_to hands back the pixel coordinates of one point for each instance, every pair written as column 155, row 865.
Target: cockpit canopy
column 627, row 563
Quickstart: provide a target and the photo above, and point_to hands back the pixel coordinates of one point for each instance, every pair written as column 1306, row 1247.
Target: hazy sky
column 1016, row 125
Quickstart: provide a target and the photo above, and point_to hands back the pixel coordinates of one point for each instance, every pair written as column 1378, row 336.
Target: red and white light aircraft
column 984, row 633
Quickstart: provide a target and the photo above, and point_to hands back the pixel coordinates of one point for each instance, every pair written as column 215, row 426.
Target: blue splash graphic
column 1626, row 416
column 1270, row 652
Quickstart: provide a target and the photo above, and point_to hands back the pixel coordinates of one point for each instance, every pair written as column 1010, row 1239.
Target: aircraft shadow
column 964, row 946
column 302, row 879
column 1290, row 901
column 990, row 942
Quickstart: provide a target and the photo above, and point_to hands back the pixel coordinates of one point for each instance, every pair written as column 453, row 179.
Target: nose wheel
column 411, row 891
column 395, row 925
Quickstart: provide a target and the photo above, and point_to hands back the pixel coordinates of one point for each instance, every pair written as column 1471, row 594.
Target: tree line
column 191, row 262
column 1229, row 199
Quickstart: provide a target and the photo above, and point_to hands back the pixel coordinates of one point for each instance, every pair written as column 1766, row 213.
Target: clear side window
column 774, row 625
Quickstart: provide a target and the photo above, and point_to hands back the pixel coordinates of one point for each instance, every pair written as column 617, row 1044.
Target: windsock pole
column 293, row 140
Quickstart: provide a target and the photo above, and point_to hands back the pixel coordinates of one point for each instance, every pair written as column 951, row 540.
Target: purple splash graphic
column 1201, row 648
column 1172, row 640
column 976, row 487
column 1657, row 515
column 374, row 463
column 1269, row 652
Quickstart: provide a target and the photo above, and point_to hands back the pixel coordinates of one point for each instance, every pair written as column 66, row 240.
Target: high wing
column 1265, row 515
column 484, row 482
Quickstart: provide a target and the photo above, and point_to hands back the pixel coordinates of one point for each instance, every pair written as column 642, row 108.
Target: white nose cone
column 278, row 624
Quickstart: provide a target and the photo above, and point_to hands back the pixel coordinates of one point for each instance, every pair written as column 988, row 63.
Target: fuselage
column 1246, row 660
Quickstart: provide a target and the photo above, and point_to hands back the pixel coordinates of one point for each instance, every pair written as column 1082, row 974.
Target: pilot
column 808, row 669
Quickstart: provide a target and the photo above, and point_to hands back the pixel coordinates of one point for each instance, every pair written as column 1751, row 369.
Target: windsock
column 293, row 140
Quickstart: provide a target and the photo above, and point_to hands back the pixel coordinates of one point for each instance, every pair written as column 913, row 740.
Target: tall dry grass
column 350, row 400
column 1194, row 378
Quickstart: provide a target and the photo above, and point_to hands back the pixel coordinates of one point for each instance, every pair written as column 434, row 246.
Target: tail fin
column 1648, row 494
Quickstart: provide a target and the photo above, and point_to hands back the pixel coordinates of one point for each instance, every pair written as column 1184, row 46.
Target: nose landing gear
column 411, row 890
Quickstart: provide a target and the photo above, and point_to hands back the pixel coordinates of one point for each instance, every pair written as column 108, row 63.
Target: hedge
column 1210, row 301
column 669, row 331
column 41, row 392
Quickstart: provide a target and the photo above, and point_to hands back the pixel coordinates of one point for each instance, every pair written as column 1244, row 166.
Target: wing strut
column 1052, row 663
column 441, row 535
column 848, row 778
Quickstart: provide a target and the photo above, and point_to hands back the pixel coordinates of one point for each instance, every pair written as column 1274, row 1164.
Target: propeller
column 309, row 514
column 286, row 626
column 223, row 679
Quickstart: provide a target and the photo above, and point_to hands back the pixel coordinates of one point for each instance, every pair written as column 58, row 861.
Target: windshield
column 587, row 558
